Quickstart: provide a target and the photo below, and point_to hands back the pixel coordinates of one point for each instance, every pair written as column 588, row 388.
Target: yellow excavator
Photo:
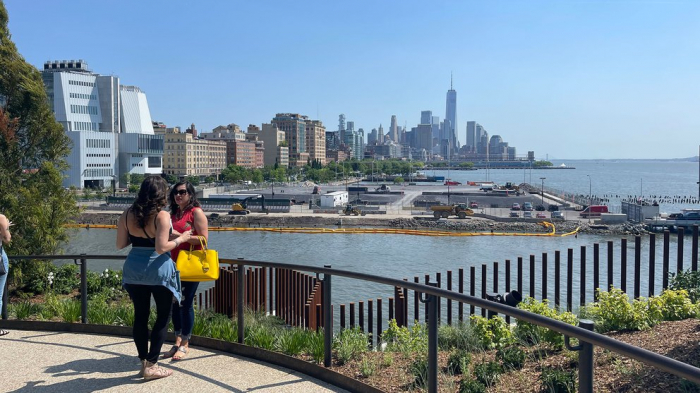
column 350, row 209
column 241, row 208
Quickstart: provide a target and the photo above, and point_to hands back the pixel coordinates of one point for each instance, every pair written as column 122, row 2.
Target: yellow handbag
column 198, row 265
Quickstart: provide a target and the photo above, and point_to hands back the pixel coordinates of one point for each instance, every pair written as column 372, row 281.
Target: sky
column 565, row 79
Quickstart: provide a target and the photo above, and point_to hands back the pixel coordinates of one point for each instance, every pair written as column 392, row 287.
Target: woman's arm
column 122, row 232
column 201, row 226
column 5, row 229
column 163, row 242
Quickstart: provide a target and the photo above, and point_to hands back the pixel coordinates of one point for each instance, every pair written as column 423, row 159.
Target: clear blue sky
column 567, row 79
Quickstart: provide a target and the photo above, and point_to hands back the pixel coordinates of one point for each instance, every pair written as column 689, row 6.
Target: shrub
column 291, row 341
column 469, row 385
column 458, row 336
column 672, row 306
column 558, row 381
column 613, row 311
column 316, row 346
column 350, row 344
column 260, row 337
column 387, row 359
column 66, row 278
column 419, row 370
column 511, row 357
column 491, row 333
column 531, row 333
column 458, row 362
column 487, row 373
column 367, row 367
column 403, row 339
column 688, row 280
column 70, row 310
column 23, row 310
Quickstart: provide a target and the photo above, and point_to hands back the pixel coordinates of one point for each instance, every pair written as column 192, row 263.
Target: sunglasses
column 181, row 192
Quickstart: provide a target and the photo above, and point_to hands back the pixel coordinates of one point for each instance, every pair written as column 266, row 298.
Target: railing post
column 83, row 289
column 241, row 300
column 431, row 301
column 327, row 318
column 585, row 359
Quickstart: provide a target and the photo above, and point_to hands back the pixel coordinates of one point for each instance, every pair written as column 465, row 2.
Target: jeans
column 183, row 314
column 3, row 278
column 141, row 296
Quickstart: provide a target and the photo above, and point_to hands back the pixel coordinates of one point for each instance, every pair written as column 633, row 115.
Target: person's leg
column 189, row 289
column 164, row 302
column 3, row 280
column 141, row 297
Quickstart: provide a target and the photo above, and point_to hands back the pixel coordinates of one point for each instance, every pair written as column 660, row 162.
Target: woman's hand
column 185, row 236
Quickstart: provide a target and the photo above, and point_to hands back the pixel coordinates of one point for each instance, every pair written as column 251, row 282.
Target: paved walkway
column 40, row 362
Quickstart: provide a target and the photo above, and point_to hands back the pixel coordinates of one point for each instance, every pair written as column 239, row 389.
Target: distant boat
column 562, row 166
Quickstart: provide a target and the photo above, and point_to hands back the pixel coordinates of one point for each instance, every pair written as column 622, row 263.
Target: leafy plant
column 23, row 310
column 70, row 310
column 291, row 341
column 458, row 336
column 511, row 357
column 260, row 337
column 558, row 381
column 613, row 311
column 458, row 362
column 532, row 333
column 350, row 344
column 419, row 370
column 387, row 359
column 488, row 373
column 688, row 280
column 367, row 367
column 492, row 333
column 469, row 385
column 672, row 306
column 403, row 339
column 316, row 347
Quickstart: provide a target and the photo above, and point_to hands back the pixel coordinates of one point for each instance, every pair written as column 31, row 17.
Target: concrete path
column 40, row 362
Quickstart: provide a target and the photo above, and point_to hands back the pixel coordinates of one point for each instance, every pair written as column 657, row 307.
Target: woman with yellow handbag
column 186, row 214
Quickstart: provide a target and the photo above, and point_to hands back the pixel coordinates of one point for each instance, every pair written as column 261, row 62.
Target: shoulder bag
column 198, row 265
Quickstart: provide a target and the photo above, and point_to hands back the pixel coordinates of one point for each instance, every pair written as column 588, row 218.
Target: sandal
column 4, row 332
column 181, row 353
column 171, row 352
column 154, row 371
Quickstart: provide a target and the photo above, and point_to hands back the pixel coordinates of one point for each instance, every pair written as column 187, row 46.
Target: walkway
column 67, row 362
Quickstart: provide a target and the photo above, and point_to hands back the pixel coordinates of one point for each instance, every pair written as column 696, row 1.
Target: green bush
column 458, row 336
column 492, row 333
column 488, row 373
column 419, row 370
column 532, row 333
column 350, row 344
column 387, row 359
column 672, row 306
column 469, row 385
column 367, row 367
column 291, row 341
column 66, row 279
column 688, row 280
column 511, row 358
column 259, row 336
column 458, row 362
column 613, row 311
column 558, row 381
column 403, row 339
column 23, row 310
column 316, row 346
column 70, row 310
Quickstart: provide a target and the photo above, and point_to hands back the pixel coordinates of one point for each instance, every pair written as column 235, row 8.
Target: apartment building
column 185, row 155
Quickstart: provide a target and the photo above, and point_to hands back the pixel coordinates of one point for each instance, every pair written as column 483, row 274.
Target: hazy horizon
column 565, row 79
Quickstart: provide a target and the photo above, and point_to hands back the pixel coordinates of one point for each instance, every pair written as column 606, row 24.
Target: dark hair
column 150, row 200
column 174, row 208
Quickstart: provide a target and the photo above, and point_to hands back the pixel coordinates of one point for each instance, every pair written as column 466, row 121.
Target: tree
column 33, row 151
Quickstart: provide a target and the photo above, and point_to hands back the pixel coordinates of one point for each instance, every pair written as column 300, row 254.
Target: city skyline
column 567, row 80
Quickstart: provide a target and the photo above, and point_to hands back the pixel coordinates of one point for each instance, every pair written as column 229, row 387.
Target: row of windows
column 85, row 126
column 98, row 172
column 84, row 109
column 105, row 143
column 98, row 165
column 99, row 155
column 84, row 96
column 81, row 83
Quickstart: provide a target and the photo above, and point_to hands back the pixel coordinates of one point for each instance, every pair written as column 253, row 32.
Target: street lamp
column 589, row 190
column 542, row 178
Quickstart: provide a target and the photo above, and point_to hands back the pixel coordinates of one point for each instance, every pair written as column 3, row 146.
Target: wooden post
column 623, row 265
column 638, row 266
column 582, row 278
column 532, row 276
column 596, row 271
column 569, row 278
column 544, row 275
column 460, row 287
column 666, row 260
column 610, row 265
column 557, row 279
column 652, row 263
column 483, row 287
column 472, row 287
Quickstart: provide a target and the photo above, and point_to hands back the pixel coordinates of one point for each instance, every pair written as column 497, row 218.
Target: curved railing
column 587, row 338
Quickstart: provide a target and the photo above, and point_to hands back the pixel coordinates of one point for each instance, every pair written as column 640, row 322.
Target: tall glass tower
column 451, row 118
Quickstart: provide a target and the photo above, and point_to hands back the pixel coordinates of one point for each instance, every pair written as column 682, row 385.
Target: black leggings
column 141, row 297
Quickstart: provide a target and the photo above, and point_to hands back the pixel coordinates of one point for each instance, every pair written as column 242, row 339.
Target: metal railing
column 430, row 295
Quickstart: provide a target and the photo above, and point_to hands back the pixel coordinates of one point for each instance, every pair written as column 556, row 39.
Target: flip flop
column 181, row 353
column 3, row 332
column 171, row 352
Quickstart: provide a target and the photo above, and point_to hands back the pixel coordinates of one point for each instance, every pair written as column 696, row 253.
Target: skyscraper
column 426, row 117
column 394, row 129
column 471, row 135
column 451, row 118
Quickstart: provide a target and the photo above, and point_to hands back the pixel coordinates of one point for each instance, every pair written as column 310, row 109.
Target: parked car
column 553, row 208
column 514, row 213
column 527, row 206
column 558, row 214
column 541, row 215
column 473, row 205
column 527, row 214
column 539, row 208
column 516, row 206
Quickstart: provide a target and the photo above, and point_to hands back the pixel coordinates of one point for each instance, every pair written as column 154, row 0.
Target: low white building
column 333, row 199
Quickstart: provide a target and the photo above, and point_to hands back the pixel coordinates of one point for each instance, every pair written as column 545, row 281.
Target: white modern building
column 110, row 125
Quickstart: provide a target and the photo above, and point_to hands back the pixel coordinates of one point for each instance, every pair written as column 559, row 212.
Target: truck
column 383, row 189
column 460, row 210
column 593, row 211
